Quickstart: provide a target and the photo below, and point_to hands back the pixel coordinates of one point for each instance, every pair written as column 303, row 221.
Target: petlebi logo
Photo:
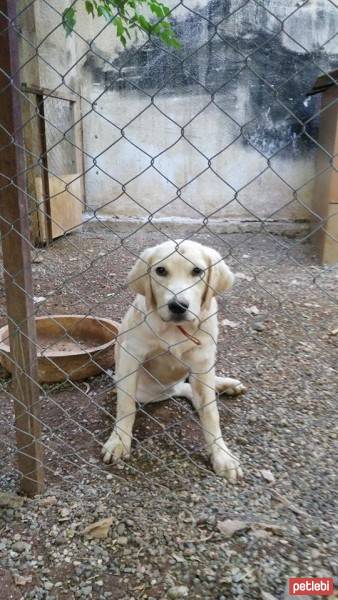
column 310, row 586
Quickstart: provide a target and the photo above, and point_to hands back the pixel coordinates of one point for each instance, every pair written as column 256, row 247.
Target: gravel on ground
column 171, row 528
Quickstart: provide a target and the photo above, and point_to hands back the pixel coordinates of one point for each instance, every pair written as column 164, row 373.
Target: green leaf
column 169, row 38
column 144, row 24
column 104, row 11
column 156, row 9
column 68, row 19
column 123, row 14
column 175, row 43
column 120, row 29
column 89, row 7
column 107, row 13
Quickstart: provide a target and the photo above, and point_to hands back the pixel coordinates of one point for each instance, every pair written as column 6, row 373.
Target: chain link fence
column 227, row 141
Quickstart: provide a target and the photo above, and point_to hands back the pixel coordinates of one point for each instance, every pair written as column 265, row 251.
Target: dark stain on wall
column 213, row 60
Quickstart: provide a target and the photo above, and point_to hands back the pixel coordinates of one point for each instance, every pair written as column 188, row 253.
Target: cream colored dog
column 169, row 334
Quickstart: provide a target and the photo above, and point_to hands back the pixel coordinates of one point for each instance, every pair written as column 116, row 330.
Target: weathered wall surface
column 49, row 59
column 236, row 90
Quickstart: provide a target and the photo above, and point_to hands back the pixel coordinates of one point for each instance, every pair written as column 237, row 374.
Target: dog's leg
column 223, row 461
column 224, row 385
column 229, row 386
column 182, row 389
column 118, row 444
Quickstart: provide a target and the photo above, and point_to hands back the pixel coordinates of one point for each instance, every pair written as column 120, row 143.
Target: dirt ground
column 168, row 538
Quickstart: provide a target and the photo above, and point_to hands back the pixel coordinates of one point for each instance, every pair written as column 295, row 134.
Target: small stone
column 178, row 591
column 22, row 579
column 293, row 557
column 48, row 585
column 38, row 299
column 48, row 501
column 231, row 324
column 60, row 540
column 37, row 259
column 87, row 590
column 19, row 547
column 121, row 528
column 268, row 475
column 10, row 500
column 122, row 541
column 258, row 326
column 239, row 576
column 64, row 514
column 252, row 310
column 267, row 596
column 252, row 419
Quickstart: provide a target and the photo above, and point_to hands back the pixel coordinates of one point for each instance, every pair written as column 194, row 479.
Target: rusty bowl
column 70, row 347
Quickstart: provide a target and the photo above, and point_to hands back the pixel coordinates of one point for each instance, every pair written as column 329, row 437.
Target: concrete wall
column 47, row 56
column 220, row 90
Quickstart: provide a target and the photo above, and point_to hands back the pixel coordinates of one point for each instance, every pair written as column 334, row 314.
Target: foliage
column 127, row 15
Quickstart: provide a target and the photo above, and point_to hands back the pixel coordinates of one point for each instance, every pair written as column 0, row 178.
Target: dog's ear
column 139, row 278
column 218, row 277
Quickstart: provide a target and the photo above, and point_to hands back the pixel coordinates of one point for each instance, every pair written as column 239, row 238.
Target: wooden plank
column 324, row 82
column 326, row 184
column 79, row 155
column 328, row 139
column 17, row 261
column 60, row 197
column 30, row 72
column 43, row 199
column 66, row 203
column 43, row 91
column 329, row 252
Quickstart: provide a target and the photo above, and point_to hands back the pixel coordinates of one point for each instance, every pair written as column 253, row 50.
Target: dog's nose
column 178, row 308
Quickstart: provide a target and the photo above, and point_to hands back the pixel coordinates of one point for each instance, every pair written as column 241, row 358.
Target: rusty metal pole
column 17, row 260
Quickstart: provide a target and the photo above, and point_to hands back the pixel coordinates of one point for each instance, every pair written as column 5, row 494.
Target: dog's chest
column 166, row 368
column 166, row 363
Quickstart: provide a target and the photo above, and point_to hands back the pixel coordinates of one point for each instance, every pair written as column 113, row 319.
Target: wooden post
column 17, row 260
column 30, row 72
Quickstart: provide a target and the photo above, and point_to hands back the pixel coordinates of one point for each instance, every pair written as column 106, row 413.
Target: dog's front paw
column 236, row 388
column 226, row 465
column 115, row 448
column 229, row 386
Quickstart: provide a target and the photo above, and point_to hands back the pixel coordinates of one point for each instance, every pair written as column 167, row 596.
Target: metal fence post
column 17, row 260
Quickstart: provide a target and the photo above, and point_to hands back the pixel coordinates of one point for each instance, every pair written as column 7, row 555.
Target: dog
column 167, row 345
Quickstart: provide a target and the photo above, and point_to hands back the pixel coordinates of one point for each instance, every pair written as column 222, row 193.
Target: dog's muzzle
column 178, row 309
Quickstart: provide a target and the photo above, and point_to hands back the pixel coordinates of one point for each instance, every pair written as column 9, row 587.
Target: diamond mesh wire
column 91, row 87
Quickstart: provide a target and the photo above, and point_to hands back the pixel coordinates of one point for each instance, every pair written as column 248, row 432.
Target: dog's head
column 179, row 279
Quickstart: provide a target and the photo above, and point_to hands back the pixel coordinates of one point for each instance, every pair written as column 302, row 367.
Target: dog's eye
column 162, row 271
column 197, row 271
